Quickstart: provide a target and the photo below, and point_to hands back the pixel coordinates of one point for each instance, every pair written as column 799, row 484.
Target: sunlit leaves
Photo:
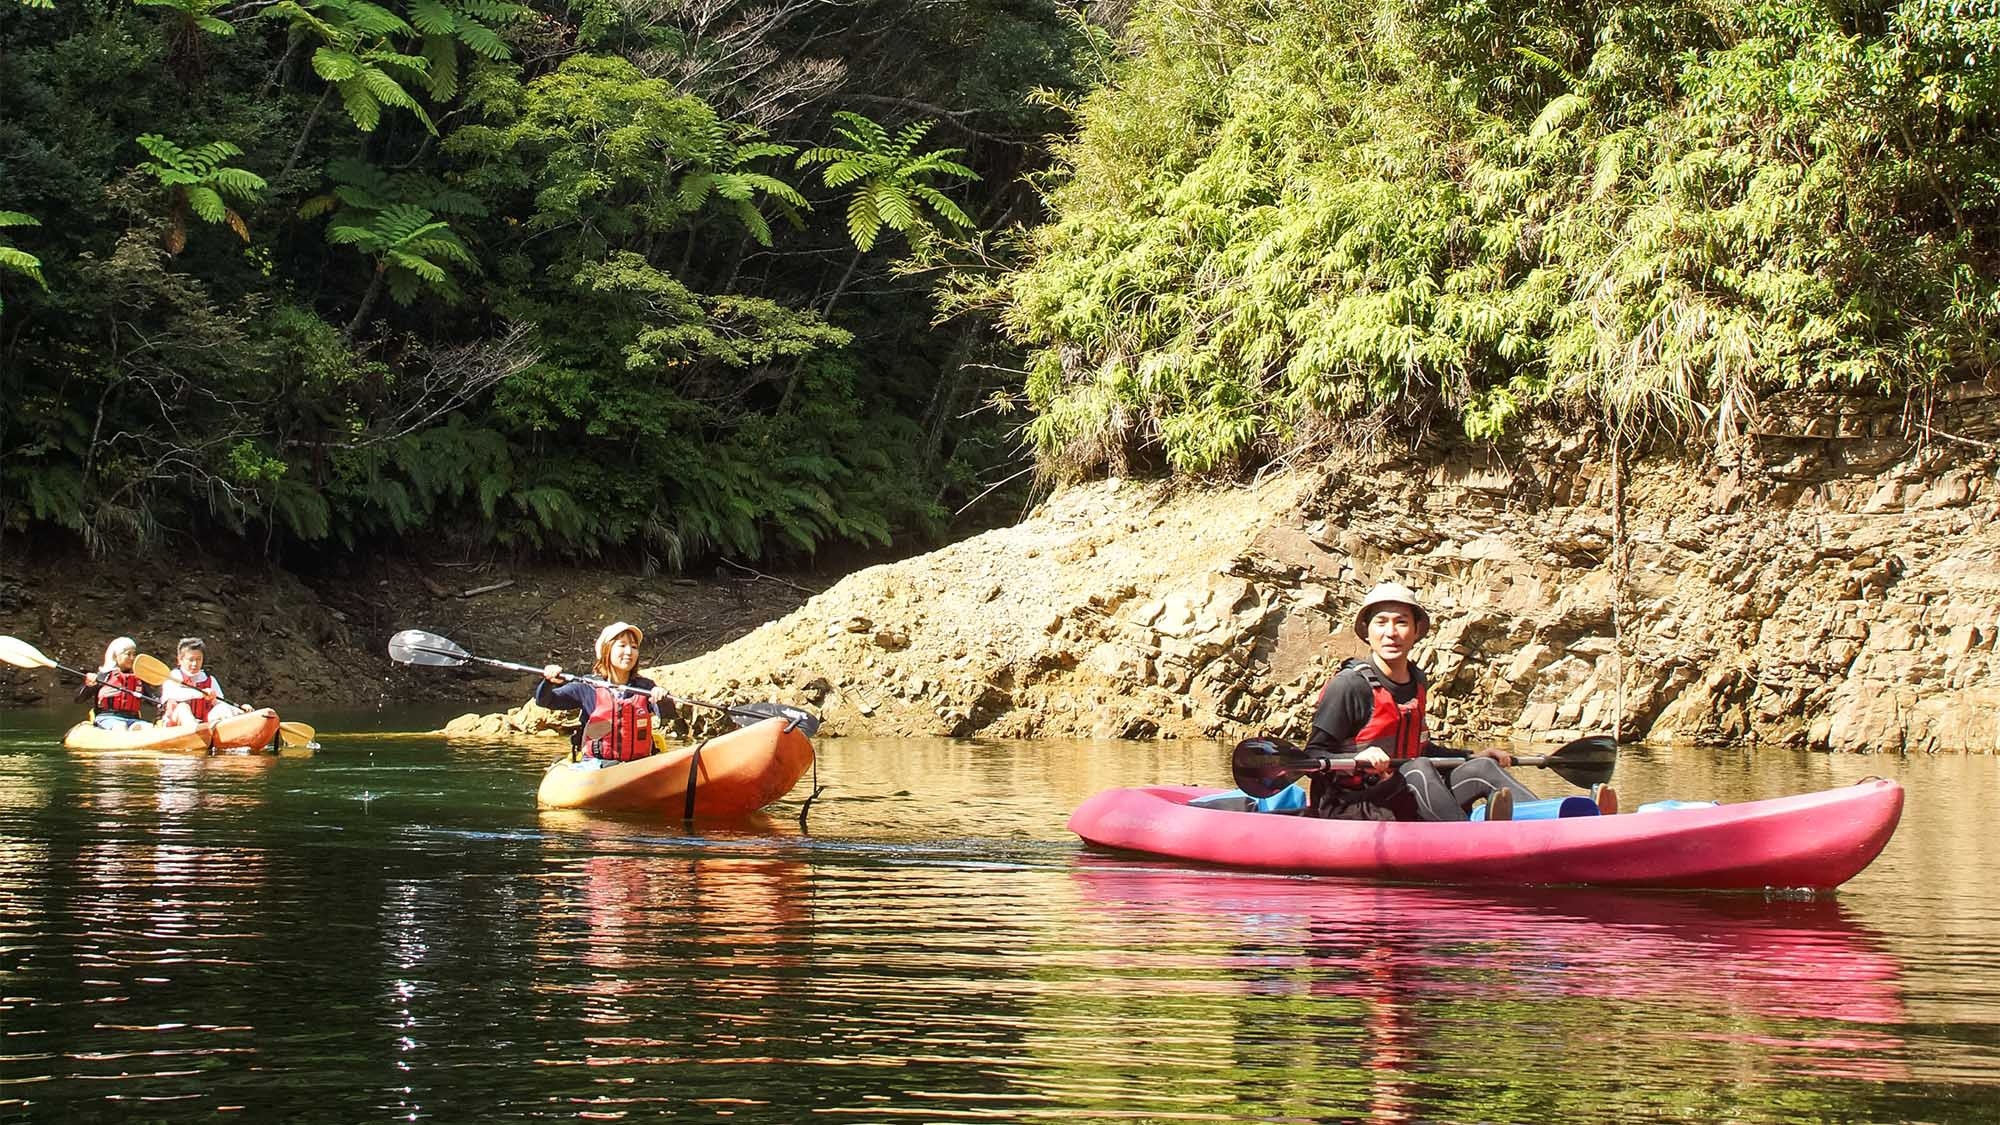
column 198, row 182
column 15, row 260
column 894, row 180
column 358, row 56
column 409, row 244
column 599, row 142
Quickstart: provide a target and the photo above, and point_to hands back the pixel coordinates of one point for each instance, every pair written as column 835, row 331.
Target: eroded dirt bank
column 1834, row 585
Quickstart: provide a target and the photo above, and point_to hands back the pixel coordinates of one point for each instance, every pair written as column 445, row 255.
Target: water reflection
column 1740, row 990
column 392, row 930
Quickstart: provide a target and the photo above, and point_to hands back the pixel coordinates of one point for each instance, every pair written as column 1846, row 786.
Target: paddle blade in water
column 21, row 654
column 1263, row 767
column 414, row 646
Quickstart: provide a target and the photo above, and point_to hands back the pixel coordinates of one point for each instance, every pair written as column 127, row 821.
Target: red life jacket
column 1397, row 731
column 631, row 734
column 110, row 699
column 199, row 707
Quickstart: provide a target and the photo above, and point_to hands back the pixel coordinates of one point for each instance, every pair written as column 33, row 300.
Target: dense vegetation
column 656, row 276
column 570, row 278
column 1282, row 220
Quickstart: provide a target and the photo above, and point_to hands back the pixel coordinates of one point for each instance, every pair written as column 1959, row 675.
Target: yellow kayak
column 735, row 773
column 252, row 730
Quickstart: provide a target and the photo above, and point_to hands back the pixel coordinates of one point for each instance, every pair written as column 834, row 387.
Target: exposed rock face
column 1835, row 586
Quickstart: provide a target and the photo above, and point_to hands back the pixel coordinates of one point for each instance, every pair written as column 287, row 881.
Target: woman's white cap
column 612, row 632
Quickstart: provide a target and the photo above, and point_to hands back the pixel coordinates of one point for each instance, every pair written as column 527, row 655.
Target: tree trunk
column 367, row 301
column 299, row 148
column 736, row 266
column 842, row 286
column 298, row 38
column 945, row 396
column 792, row 380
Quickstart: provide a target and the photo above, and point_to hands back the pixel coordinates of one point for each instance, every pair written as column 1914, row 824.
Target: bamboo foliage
column 1279, row 216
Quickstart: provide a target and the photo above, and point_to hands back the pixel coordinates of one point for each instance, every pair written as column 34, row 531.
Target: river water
column 390, row 930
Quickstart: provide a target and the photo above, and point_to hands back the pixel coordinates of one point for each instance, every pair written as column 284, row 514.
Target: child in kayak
column 118, row 689
column 1373, row 710
column 191, row 696
column 617, row 725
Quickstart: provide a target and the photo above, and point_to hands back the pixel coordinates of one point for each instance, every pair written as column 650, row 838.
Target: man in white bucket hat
column 1373, row 711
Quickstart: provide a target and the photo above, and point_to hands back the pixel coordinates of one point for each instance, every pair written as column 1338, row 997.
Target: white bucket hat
column 1390, row 593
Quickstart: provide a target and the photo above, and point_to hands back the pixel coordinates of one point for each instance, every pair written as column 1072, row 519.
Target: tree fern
column 892, row 181
column 199, row 183
column 18, row 261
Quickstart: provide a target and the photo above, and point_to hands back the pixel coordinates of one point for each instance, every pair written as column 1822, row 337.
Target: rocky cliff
column 1831, row 583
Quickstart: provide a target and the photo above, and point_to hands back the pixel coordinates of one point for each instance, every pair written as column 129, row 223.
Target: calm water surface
column 389, row 930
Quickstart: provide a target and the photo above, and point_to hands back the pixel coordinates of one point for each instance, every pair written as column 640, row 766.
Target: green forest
column 644, row 277
column 673, row 279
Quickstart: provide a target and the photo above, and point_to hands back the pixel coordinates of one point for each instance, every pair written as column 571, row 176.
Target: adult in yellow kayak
column 617, row 722
column 192, row 695
column 117, row 689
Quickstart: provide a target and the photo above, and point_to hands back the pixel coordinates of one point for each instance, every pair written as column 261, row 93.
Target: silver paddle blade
column 414, row 646
column 803, row 721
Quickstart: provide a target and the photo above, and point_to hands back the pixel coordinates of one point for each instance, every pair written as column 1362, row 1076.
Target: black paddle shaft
column 1262, row 767
column 154, row 700
column 415, row 646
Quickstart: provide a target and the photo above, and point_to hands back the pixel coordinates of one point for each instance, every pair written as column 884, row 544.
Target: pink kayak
column 1815, row 840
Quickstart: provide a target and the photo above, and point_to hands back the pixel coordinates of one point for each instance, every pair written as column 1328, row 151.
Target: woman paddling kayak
column 117, row 688
column 617, row 725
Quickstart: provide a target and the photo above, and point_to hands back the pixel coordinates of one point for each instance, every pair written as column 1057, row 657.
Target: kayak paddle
column 1262, row 767
column 21, row 654
column 154, row 672
column 415, row 646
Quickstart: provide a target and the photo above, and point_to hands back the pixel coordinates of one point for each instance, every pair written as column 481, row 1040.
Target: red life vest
column 1396, row 730
column 631, row 719
column 110, row 699
column 201, row 706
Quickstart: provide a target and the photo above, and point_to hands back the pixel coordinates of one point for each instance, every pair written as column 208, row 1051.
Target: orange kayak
column 252, row 730
column 726, row 776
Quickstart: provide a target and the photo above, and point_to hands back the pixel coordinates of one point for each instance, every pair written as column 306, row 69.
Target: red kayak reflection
column 1796, row 979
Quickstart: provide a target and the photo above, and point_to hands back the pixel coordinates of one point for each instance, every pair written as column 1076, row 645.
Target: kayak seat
column 1291, row 799
column 1550, row 808
column 1670, row 806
